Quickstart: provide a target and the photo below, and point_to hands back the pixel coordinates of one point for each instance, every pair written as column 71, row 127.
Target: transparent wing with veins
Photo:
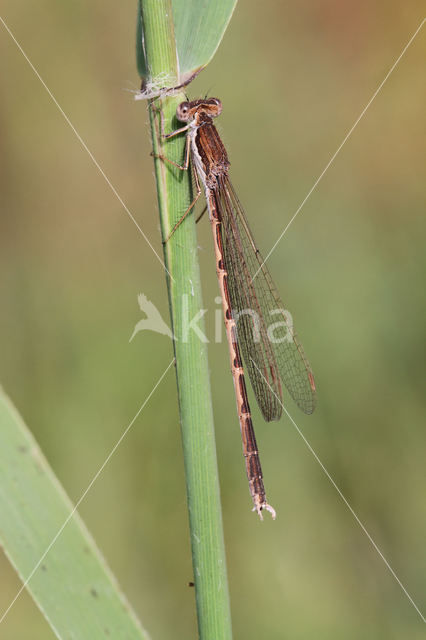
column 271, row 351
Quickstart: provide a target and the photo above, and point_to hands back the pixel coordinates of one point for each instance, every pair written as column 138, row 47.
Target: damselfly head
column 210, row 107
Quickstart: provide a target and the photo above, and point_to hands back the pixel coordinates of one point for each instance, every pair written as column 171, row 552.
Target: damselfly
column 271, row 352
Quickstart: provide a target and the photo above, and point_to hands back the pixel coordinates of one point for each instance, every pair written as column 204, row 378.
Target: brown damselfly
column 271, row 353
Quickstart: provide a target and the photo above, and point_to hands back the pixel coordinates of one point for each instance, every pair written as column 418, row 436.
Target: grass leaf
column 71, row 583
column 199, row 29
column 199, row 26
column 192, row 371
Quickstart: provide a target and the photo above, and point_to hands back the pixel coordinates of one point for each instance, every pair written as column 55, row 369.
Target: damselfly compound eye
column 216, row 104
column 182, row 111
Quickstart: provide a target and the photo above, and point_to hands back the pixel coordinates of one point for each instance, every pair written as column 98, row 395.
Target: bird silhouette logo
column 153, row 320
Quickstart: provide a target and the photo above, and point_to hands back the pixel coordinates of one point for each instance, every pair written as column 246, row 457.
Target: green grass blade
column 185, row 301
column 140, row 53
column 199, row 29
column 72, row 584
column 199, row 26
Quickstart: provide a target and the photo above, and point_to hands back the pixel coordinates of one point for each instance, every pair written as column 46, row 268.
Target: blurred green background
column 293, row 78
